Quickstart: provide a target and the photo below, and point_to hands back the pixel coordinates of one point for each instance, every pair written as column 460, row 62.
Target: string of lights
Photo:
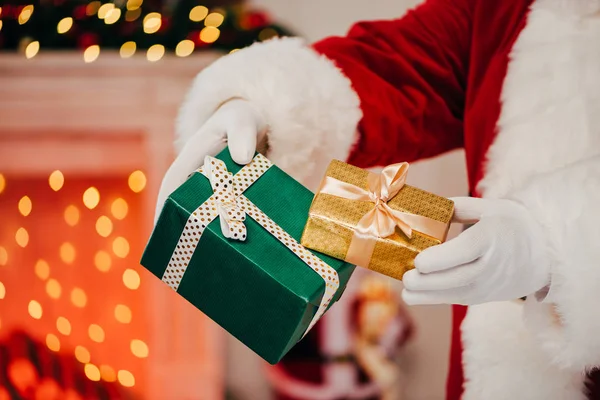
column 131, row 26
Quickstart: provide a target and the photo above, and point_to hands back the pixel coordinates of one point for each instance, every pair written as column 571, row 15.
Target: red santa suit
column 515, row 83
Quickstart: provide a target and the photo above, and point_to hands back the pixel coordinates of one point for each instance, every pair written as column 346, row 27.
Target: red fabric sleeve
column 410, row 74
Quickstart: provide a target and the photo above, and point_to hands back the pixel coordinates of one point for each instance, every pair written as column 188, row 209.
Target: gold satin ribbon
column 382, row 220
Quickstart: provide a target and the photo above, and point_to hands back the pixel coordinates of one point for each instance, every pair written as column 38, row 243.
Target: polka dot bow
column 231, row 214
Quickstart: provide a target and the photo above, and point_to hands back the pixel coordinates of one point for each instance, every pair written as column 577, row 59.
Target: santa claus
column 514, row 82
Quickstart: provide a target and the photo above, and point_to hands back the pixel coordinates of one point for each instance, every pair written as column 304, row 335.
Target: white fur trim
column 309, row 105
column 503, row 362
column 548, row 127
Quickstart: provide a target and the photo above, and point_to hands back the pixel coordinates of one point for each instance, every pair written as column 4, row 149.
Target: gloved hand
column 504, row 256
column 236, row 123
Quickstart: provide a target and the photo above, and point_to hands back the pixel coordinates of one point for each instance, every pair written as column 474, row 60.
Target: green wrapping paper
column 257, row 289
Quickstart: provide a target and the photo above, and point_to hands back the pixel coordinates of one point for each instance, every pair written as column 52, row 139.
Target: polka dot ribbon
column 230, row 205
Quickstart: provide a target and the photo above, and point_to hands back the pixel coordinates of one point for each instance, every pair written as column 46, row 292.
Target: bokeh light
column 64, row 25
column 131, row 279
column 120, row 247
column 102, row 261
column 105, row 9
column 67, row 253
column 107, row 373
column 22, row 237
column 25, row 14
column 126, row 378
column 134, row 4
column 52, row 342
column 123, row 314
column 137, row 181
column 127, row 49
column 22, row 374
column 71, row 215
column 48, row 389
column 63, row 326
column 214, row 19
column 25, row 206
column 42, row 269
column 155, row 52
column 104, row 226
column 198, row 13
column 35, row 309
column 112, row 16
column 91, row 197
column 92, row 8
column 53, row 288
column 210, row 34
column 2, row 183
column 119, row 208
column 78, row 297
column 152, row 22
column 2, row 291
column 96, row 333
column 91, row 54
column 184, row 48
column 139, row 348
column 92, row 372
column 32, row 49
column 56, row 180
column 82, row 354
column 3, row 256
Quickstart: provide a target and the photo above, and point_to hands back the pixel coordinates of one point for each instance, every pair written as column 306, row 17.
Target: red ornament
column 86, row 40
column 254, row 20
column 165, row 24
column 195, row 37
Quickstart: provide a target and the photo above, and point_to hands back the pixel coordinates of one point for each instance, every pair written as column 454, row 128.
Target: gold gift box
column 332, row 220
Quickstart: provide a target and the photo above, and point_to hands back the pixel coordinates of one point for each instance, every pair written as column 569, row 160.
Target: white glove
column 236, row 122
column 504, row 256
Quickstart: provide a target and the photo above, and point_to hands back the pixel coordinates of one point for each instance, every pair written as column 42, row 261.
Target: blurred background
column 88, row 95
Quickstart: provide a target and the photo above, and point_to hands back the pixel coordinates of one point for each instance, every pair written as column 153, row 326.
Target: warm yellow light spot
column 134, row 4
column 56, row 180
column 52, row 342
column 53, row 288
column 25, row 14
column 104, row 226
column 71, row 215
column 35, row 309
column 92, row 372
column 96, row 333
column 122, row 314
column 78, row 297
column 0, row 11
column 209, row 34
column 131, row 279
column 22, row 237
column 155, row 52
column 214, row 19
column 112, row 16
column 42, row 269
column 91, row 53
column 63, row 326
column 137, row 181
column 67, row 253
column 120, row 247
column 184, row 48
column 107, row 373
column 32, row 49
column 266, row 34
column 3, row 256
column 152, row 22
column 104, row 9
column 119, row 208
column 0, row 22
column 82, row 354
column 126, row 378
column 92, row 8
column 102, row 261
column 25, row 206
column 91, row 197
column 64, row 25
column 132, row 15
column 198, row 13
column 127, row 49
column 233, row 51
column 2, row 291
column 2, row 183
column 139, row 348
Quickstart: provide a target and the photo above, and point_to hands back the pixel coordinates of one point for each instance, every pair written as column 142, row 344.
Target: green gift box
column 252, row 278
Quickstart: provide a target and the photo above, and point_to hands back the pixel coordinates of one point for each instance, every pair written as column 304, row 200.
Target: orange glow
column 63, row 326
column 42, row 270
column 2, row 183
column 131, row 279
column 71, row 215
column 56, row 180
column 92, row 372
column 137, row 181
column 4, row 395
column 104, row 226
column 3, row 256
column 71, row 394
column 48, row 390
column 96, row 333
column 25, row 206
column 139, row 348
column 22, row 373
column 2, row 291
column 67, row 253
column 22, row 237
column 91, row 198
column 126, row 378
column 102, row 261
column 119, row 208
column 108, row 373
column 82, row 354
column 78, row 297
column 53, row 288
column 35, row 309
column 52, row 342
column 120, row 247
column 122, row 314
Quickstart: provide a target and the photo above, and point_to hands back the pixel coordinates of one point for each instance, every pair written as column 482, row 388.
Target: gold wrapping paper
column 332, row 220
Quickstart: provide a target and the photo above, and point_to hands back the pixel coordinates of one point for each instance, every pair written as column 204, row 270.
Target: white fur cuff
column 310, row 107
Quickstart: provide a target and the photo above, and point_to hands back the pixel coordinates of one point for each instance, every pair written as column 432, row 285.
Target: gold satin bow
column 382, row 220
